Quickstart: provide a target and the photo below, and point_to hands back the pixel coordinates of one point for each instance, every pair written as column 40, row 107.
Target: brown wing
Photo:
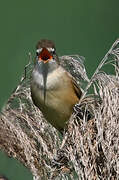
column 77, row 89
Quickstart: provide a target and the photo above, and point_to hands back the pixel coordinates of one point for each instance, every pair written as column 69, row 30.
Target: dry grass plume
column 89, row 149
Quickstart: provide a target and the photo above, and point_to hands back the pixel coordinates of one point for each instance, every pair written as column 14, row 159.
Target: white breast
column 53, row 79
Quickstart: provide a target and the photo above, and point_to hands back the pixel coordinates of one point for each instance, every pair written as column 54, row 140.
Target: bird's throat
column 44, row 74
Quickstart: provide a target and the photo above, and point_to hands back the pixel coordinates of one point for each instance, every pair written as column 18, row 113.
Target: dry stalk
column 89, row 148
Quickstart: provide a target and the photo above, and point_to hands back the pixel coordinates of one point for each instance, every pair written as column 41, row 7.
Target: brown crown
column 44, row 43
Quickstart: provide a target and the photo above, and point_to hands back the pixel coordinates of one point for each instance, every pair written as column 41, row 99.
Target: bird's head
column 46, row 52
column 46, row 60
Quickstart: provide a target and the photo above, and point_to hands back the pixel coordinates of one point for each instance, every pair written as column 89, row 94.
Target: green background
column 80, row 27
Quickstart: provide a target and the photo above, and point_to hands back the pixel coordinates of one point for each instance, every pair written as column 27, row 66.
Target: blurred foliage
column 12, row 169
column 80, row 27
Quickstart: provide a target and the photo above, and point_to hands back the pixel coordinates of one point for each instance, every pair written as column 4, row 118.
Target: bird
column 53, row 90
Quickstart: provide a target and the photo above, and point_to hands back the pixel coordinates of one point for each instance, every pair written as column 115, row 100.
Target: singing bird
column 53, row 90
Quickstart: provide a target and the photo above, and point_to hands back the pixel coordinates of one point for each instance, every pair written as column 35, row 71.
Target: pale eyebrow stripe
column 39, row 50
column 50, row 49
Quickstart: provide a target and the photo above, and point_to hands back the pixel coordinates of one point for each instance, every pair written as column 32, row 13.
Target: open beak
column 45, row 55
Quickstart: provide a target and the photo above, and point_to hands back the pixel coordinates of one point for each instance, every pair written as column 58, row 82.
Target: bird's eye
column 38, row 51
column 52, row 50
